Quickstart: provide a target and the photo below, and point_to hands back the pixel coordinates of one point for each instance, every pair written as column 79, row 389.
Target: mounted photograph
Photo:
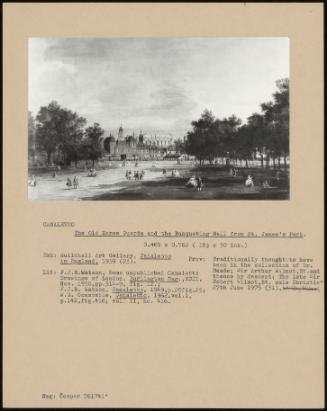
column 186, row 118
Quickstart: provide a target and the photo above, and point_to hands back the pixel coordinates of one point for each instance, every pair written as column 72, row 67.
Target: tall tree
column 48, row 128
column 92, row 145
column 244, row 144
column 70, row 144
column 228, row 129
column 59, row 130
column 256, row 126
column 201, row 140
column 276, row 116
column 31, row 135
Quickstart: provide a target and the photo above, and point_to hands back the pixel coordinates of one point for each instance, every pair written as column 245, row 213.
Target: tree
column 281, row 100
column 244, row 144
column 228, row 128
column 59, row 130
column 212, row 137
column 92, row 147
column 266, row 132
column 276, row 116
column 201, row 139
column 70, row 144
column 256, row 126
column 31, row 135
column 48, row 128
column 179, row 145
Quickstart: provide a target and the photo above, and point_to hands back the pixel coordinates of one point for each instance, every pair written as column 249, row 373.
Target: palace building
column 130, row 147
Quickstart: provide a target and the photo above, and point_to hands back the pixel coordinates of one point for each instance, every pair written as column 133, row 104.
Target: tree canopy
column 266, row 132
column 59, row 130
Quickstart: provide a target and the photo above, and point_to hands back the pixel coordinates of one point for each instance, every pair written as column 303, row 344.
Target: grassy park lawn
column 111, row 184
column 218, row 185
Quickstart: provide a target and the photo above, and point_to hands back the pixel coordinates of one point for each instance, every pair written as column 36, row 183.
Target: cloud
column 171, row 100
column 79, row 49
column 155, row 83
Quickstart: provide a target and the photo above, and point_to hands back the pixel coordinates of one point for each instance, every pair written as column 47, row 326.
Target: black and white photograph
column 189, row 118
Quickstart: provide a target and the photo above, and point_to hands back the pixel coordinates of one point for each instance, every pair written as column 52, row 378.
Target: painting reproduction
column 158, row 118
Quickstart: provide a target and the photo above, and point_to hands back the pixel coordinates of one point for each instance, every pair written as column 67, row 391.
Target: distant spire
column 120, row 132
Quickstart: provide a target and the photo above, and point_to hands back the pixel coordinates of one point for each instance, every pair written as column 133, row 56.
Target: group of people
column 195, row 182
column 74, row 183
column 265, row 184
column 92, row 172
column 138, row 175
column 249, row 181
column 233, row 171
column 175, row 173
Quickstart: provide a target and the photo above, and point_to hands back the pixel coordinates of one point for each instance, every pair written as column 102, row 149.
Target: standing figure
column 199, row 184
column 75, row 182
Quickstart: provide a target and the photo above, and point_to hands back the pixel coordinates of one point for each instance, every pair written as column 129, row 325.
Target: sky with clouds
column 158, row 85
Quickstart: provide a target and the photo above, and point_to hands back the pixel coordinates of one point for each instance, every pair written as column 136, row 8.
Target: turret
column 121, row 133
